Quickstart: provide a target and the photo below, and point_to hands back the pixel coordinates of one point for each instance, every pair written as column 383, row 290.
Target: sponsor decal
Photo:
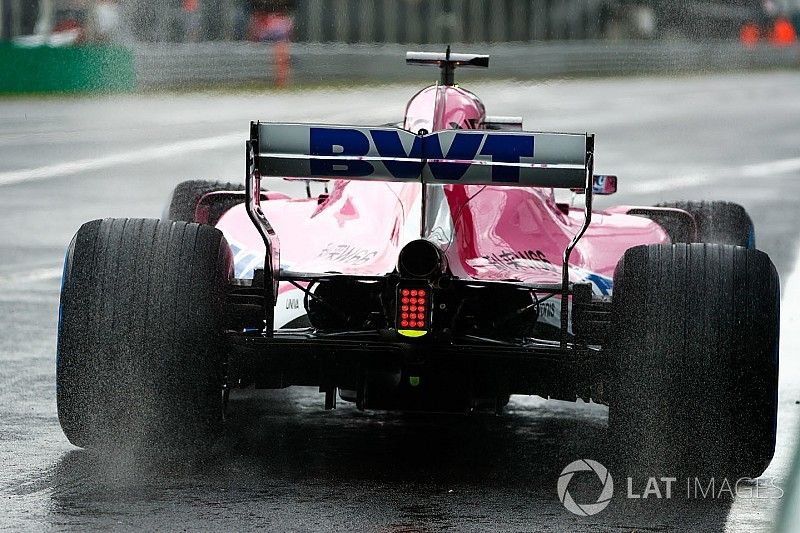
column 347, row 254
column 548, row 310
column 445, row 165
column 521, row 260
column 535, row 260
column 290, row 311
column 246, row 262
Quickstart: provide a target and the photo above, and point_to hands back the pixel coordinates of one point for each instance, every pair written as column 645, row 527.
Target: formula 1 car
column 437, row 272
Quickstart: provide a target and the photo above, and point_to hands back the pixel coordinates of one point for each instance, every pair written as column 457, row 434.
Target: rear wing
column 461, row 157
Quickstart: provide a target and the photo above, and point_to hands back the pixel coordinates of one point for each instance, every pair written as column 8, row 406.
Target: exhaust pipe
column 421, row 259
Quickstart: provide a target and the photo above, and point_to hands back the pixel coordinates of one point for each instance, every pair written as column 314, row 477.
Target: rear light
column 413, row 310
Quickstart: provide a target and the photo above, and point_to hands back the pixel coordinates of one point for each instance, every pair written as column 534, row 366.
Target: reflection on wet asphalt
column 287, row 463
column 284, row 462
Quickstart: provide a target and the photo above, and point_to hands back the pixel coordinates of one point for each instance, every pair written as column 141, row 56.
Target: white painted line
column 42, row 274
column 758, row 170
column 788, row 381
column 790, row 328
column 30, row 297
column 742, row 510
column 763, row 170
column 113, row 160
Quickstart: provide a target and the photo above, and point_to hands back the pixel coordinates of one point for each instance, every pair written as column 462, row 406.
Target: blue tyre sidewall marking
column 64, row 276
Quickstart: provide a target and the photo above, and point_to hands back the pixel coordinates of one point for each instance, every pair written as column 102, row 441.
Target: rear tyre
column 719, row 222
column 696, row 360
column 140, row 344
column 187, row 194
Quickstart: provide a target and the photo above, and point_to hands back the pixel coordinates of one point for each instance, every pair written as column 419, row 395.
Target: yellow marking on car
column 411, row 332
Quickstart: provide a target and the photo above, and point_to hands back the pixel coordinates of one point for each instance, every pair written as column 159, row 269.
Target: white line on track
column 786, row 449
column 790, row 327
column 757, row 170
column 134, row 156
column 41, row 274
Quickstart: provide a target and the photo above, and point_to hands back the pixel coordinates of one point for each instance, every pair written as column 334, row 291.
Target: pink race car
column 437, row 272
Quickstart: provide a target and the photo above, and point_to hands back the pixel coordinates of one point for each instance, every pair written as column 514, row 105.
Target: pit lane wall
column 216, row 64
column 49, row 69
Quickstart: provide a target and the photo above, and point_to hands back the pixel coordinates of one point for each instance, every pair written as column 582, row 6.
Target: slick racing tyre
column 140, row 344
column 187, row 194
column 719, row 222
column 696, row 360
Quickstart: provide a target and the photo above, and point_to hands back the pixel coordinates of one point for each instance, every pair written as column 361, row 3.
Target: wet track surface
column 286, row 463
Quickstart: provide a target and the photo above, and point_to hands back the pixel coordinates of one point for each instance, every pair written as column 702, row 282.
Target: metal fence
column 232, row 63
column 17, row 17
column 390, row 21
column 435, row 21
column 396, row 21
column 346, row 21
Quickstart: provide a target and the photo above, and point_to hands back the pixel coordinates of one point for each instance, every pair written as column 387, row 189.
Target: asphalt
column 287, row 464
